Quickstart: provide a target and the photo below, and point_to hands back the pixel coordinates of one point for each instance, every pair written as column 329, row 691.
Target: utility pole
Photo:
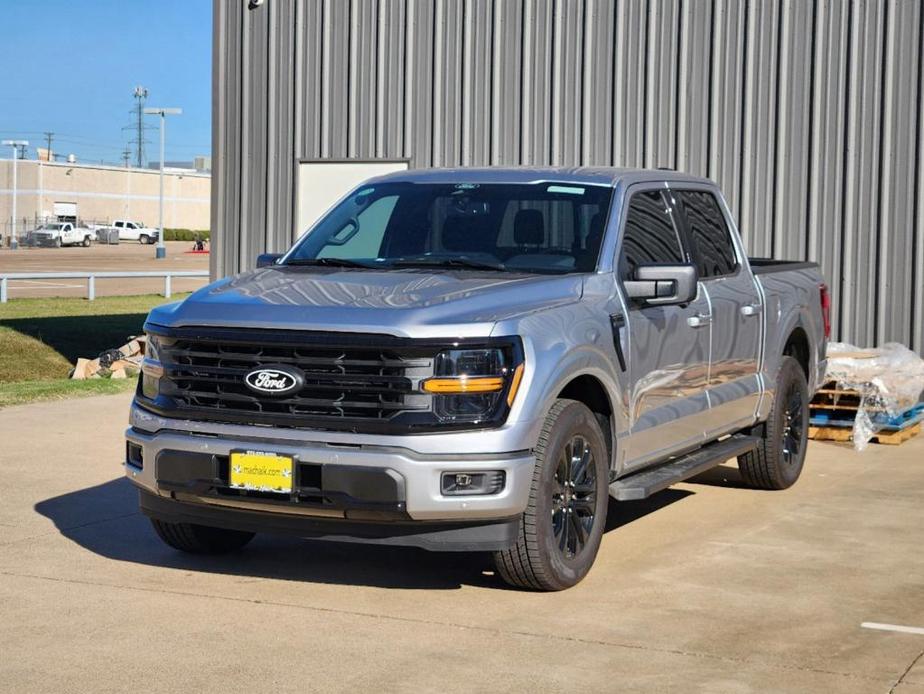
column 48, row 138
column 17, row 145
column 126, row 157
column 161, row 251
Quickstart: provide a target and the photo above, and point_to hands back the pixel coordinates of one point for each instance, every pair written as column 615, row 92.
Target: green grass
column 41, row 339
column 33, row 391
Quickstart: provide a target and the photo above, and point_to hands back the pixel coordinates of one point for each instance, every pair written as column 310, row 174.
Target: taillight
column 826, row 308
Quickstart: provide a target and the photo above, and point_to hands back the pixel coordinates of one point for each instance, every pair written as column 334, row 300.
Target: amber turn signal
column 514, row 385
column 464, row 384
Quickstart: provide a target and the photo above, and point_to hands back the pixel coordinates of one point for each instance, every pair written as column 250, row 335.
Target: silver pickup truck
column 478, row 360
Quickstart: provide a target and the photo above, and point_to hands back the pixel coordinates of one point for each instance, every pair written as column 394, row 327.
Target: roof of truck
column 609, row 176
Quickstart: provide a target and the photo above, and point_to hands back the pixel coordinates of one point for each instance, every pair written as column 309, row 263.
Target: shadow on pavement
column 721, row 476
column 105, row 520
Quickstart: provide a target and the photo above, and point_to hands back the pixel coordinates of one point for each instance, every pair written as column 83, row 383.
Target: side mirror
column 267, row 259
column 658, row 285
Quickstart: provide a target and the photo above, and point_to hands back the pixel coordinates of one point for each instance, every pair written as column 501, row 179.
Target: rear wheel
column 144, row 239
column 777, row 461
column 200, row 539
column 86, row 241
column 561, row 529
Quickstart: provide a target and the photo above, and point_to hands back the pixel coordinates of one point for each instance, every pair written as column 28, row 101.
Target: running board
column 641, row 485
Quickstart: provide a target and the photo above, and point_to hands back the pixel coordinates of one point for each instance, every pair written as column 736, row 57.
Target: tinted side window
column 650, row 235
column 715, row 252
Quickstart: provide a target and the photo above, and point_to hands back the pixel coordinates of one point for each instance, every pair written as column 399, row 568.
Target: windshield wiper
column 460, row 262
column 327, row 262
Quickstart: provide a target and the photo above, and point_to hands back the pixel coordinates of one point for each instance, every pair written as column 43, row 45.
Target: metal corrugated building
column 808, row 114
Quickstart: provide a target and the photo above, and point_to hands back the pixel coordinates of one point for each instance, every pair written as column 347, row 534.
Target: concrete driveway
column 707, row 587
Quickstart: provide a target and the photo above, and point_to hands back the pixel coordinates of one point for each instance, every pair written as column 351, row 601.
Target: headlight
column 471, row 385
column 151, row 368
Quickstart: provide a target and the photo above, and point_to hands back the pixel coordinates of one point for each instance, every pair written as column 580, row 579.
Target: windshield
column 537, row 227
column 52, row 227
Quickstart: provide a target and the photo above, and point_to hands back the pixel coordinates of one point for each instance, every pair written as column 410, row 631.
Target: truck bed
column 765, row 266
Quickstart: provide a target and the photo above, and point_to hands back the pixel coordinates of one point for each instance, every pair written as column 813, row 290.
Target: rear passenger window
column 715, row 252
column 650, row 236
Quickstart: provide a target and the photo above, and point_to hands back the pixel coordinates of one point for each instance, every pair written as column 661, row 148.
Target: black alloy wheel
column 561, row 529
column 777, row 461
column 574, row 497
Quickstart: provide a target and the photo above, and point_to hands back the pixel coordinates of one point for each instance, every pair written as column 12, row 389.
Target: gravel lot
column 131, row 257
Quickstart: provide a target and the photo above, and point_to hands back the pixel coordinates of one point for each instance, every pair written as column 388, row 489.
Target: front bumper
column 377, row 492
column 443, row 536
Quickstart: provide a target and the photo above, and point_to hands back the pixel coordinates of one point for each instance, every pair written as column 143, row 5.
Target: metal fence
column 91, row 278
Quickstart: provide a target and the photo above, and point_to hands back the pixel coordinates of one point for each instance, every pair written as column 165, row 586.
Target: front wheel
column 86, row 242
column 561, row 528
column 777, row 461
column 200, row 539
column 144, row 239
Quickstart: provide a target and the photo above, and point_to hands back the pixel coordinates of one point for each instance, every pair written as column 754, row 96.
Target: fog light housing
column 134, row 455
column 473, row 483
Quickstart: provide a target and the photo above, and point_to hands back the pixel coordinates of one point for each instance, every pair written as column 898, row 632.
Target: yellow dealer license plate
column 261, row 472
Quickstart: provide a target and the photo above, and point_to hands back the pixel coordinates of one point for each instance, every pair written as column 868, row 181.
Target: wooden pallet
column 830, row 397
column 841, row 433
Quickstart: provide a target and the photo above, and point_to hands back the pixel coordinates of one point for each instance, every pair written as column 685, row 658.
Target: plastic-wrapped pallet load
column 889, row 381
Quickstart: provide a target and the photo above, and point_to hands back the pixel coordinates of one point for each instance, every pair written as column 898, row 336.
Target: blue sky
column 70, row 67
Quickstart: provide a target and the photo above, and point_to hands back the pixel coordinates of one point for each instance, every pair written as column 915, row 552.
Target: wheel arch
column 797, row 346
column 589, row 390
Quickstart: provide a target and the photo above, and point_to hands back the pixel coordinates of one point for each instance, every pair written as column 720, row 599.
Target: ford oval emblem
column 275, row 380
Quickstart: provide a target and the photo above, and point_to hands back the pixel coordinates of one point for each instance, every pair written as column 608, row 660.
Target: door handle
column 751, row 309
column 617, row 323
column 700, row 320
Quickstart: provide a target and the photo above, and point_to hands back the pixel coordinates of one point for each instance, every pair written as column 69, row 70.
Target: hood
column 404, row 303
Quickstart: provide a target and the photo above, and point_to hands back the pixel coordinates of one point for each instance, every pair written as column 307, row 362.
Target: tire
column 144, row 239
column 86, row 242
column 777, row 461
column 200, row 539
column 58, row 242
column 549, row 554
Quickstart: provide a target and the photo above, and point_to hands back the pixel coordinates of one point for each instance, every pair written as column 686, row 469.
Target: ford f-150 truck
column 478, row 360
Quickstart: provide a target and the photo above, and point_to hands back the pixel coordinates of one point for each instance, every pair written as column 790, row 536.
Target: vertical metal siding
column 826, row 199
column 507, row 72
column 808, row 113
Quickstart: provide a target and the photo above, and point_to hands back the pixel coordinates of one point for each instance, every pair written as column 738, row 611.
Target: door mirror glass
column 267, row 259
column 658, row 285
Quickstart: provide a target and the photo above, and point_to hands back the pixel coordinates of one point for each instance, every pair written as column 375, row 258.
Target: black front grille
column 358, row 378
column 356, row 382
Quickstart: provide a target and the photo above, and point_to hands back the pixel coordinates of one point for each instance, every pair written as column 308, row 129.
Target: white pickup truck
column 135, row 231
column 60, row 234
